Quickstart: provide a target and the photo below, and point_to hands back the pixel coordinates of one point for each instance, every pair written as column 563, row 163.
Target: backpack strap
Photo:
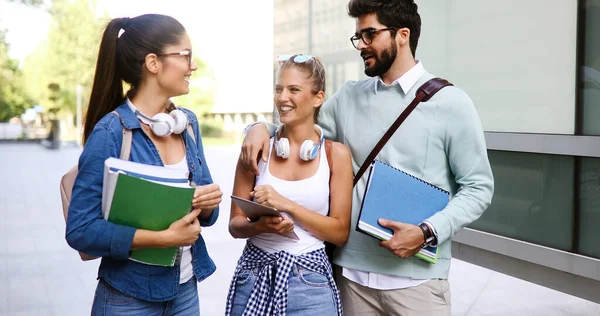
column 329, row 247
column 328, row 149
column 127, row 138
column 190, row 131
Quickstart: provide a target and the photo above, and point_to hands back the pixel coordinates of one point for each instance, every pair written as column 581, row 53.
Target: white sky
column 237, row 44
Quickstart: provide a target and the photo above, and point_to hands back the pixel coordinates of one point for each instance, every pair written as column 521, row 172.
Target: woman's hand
column 184, row 231
column 266, row 195
column 275, row 224
column 207, row 197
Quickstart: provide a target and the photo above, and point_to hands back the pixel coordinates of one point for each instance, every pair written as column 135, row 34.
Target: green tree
column 33, row 3
column 13, row 97
column 68, row 55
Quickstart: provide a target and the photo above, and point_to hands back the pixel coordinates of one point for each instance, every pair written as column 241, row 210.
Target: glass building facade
column 532, row 69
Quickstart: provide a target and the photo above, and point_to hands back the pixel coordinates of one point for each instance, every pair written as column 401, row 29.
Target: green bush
column 211, row 128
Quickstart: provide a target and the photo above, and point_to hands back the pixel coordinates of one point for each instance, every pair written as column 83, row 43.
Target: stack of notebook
column 146, row 197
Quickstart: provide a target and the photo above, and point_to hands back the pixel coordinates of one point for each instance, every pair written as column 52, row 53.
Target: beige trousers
column 431, row 298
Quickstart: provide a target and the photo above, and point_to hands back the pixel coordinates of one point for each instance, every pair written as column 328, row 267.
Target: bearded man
column 441, row 142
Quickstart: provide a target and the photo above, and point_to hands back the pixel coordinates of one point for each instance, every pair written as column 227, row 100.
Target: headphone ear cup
column 162, row 125
column 180, row 119
column 308, row 150
column 282, row 148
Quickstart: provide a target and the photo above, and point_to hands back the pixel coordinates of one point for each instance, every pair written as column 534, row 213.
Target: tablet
column 254, row 210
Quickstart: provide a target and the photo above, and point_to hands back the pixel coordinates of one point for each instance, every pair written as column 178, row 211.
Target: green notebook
column 148, row 205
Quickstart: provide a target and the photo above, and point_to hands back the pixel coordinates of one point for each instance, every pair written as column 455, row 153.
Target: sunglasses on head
column 299, row 58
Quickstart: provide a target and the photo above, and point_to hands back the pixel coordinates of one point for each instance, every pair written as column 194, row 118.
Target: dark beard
column 382, row 63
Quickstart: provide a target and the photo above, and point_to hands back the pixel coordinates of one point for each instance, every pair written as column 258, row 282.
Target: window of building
column 589, row 76
column 589, row 105
column 589, row 203
column 533, row 199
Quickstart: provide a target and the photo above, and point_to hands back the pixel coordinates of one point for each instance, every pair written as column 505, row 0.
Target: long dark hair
column 391, row 13
column 124, row 46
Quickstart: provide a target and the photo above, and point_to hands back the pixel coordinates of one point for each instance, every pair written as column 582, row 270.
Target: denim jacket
column 88, row 232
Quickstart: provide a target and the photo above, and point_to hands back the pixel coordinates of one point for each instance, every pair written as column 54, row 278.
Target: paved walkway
column 40, row 275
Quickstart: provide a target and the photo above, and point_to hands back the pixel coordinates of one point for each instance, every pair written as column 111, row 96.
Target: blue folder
column 398, row 196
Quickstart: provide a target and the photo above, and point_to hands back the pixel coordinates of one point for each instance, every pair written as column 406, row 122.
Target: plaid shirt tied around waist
column 277, row 266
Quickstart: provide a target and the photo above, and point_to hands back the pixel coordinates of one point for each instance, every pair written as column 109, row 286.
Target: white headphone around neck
column 163, row 124
column 308, row 150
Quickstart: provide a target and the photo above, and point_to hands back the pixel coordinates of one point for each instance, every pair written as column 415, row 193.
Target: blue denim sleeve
column 206, row 177
column 87, row 231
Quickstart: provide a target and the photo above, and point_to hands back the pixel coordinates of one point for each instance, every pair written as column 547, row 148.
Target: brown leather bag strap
column 328, row 145
column 328, row 149
column 126, row 143
column 329, row 247
column 424, row 93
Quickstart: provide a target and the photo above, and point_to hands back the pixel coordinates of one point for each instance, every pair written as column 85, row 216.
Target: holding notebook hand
column 185, row 231
column 407, row 239
column 207, row 198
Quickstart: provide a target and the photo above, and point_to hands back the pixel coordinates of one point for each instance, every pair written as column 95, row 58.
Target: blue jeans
column 108, row 301
column 309, row 293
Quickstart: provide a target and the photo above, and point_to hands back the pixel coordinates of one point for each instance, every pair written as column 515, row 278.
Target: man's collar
column 407, row 80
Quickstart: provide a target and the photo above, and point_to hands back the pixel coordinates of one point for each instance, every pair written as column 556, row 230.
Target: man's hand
column 407, row 239
column 256, row 141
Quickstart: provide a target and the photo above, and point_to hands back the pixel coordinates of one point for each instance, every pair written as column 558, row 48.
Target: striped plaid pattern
column 279, row 266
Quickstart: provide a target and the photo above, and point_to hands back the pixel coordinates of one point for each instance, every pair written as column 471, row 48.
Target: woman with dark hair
column 152, row 53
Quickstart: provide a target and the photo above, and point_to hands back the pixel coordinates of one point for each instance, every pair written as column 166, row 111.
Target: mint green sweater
column 440, row 142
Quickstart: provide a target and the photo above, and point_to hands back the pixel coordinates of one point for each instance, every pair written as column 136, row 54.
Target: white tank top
column 186, row 270
column 312, row 193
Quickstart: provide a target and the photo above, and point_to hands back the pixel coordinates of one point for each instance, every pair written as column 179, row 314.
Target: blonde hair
column 315, row 71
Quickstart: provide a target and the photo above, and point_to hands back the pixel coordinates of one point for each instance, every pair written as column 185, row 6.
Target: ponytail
column 107, row 89
column 125, row 44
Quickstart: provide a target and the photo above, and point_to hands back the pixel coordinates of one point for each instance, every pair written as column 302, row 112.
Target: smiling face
column 381, row 53
column 294, row 97
column 175, row 70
